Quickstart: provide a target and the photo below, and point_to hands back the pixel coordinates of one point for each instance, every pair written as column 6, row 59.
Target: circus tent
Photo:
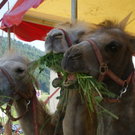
column 32, row 19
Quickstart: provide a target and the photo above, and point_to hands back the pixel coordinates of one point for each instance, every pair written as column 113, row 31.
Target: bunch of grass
column 93, row 90
column 52, row 61
column 88, row 86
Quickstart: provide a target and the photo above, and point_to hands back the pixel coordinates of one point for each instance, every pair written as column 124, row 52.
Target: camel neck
column 123, row 110
column 128, row 110
column 26, row 122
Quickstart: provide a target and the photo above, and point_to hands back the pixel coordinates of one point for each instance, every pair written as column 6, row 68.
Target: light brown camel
column 56, row 41
column 77, row 120
column 108, row 53
column 19, row 69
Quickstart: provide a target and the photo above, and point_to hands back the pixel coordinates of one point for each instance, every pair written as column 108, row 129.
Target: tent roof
column 93, row 11
column 51, row 12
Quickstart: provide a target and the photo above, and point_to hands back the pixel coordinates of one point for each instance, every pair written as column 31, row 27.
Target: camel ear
column 123, row 23
column 32, row 65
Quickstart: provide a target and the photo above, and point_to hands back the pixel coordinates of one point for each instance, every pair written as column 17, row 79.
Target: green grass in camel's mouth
column 52, row 61
column 88, row 86
column 90, row 90
column 93, row 90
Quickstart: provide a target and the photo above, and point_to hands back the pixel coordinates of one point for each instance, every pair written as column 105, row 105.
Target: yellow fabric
column 51, row 12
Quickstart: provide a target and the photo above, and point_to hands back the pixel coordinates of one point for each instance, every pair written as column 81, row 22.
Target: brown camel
column 19, row 69
column 107, row 56
column 77, row 120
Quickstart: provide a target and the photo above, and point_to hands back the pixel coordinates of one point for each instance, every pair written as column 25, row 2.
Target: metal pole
column 8, row 29
column 73, row 10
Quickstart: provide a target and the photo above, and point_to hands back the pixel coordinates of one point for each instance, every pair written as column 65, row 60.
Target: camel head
column 56, row 41
column 116, row 48
column 18, row 68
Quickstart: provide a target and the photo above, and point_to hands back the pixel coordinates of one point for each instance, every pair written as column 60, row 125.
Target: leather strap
column 104, row 70
column 105, row 67
column 14, row 91
column 8, row 77
column 8, row 108
column 69, row 45
column 67, row 38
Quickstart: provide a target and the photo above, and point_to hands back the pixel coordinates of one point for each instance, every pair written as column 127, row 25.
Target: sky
column 38, row 44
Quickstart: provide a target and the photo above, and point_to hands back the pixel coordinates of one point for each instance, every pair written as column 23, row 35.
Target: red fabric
column 16, row 14
column 24, row 30
column 30, row 31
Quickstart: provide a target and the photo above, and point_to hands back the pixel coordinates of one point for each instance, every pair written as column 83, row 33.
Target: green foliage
column 32, row 53
column 92, row 89
column 51, row 60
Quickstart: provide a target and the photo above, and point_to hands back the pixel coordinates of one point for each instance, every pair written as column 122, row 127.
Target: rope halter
column 103, row 70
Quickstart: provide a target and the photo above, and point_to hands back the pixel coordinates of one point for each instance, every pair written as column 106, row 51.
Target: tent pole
column 8, row 29
column 9, row 39
column 73, row 10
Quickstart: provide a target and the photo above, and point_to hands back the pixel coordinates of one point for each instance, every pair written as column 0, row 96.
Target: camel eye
column 19, row 70
column 76, row 41
column 113, row 47
column 57, row 36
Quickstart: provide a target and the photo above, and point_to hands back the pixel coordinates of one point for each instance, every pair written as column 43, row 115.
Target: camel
column 107, row 56
column 17, row 83
column 58, row 40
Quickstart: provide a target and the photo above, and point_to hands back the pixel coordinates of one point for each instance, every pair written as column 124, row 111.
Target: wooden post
column 9, row 39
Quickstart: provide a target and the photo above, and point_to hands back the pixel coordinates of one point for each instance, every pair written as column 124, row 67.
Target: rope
column 1, row 131
column 47, row 100
column 17, row 130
